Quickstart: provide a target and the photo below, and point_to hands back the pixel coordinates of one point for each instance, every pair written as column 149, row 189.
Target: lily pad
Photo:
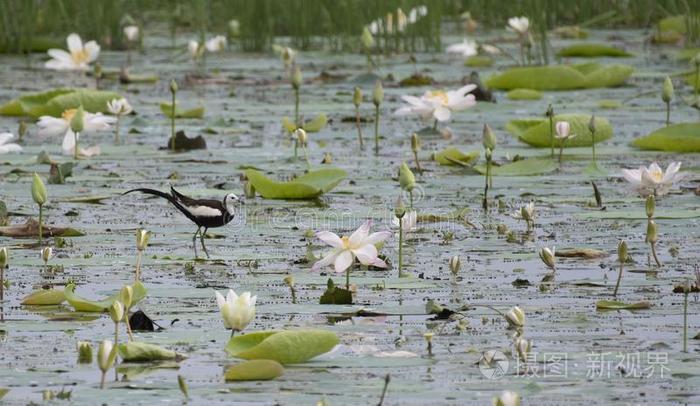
column 617, row 305
column 3, row 392
column 254, row 370
column 308, row 186
column 94, row 101
column 22, row 105
column 589, row 50
column 587, row 253
column 524, row 167
column 134, row 351
column 167, row 109
column 335, row 295
column 524, row 94
column 683, row 137
column 285, row 347
column 478, row 61
column 31, row 229
column 561, row 77
column 536, row 132
column 453, row 156
column 44, row 297
column 98, row 306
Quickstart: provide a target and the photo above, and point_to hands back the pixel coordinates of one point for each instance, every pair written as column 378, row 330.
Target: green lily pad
column 561, row 77
column 535, row 132
column 3, row 392
column 524, row 167
column 98, row 306
column 609, row 104
column 167, row 109
column 524, row 94
column 44, row 297
column 335, row 295
column 453, row 156
column 684, row 137
column 22, row 105
column 675, row 24
column 285, row 347
column 134, row 351
column 478, row 61
column 589, row 50
column 308, row 186
column 56, row 101
column 617, row 305
column 254, row 370
column 313, row 126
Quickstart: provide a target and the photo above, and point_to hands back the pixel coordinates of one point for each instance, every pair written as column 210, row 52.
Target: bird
column 205, row 213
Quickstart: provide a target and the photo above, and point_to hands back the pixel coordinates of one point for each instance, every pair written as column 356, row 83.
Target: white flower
column 131, row 32
column 438, row 104
column 520, row 25
column 547, row 256
column 237, row 311
column 51, row 126
column 286, row 53
column 516, row 317
column 104, row 355
column 417, row 13
column 78, row 57
column 527, row 212
column 490, row 49
column 654, row 179
column 507, row 398
column 216, row 44
column 46, row 254
column 465, row 48
column 6, row 146
column 360, row 245
column 563, row 130
column 408, row 221
column 119, row 107
column 522, row 347
column 194, row 49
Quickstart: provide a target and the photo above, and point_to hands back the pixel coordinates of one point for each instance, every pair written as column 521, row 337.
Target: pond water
column 578, row 352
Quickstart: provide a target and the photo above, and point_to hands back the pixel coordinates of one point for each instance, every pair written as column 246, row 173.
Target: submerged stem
column 653, row 253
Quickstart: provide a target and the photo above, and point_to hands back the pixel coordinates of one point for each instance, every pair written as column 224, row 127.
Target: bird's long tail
column 154, row 192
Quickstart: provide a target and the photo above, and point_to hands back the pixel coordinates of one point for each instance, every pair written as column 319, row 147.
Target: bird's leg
column 201, row 235
column 194, row 241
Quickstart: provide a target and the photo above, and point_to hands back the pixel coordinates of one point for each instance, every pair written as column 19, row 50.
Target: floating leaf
column 617, row 305
column 587, row 253
column 609, row 104
column 185, row 143
column 84, row 305
column 684, row 137
column 31, row 229
column 536, row 132
column 453, row 156
column 478, row 61
column 524, row 94
column 524, row 167
column 561, row 77
column 254, row 370
column 3, row 392
column 94, row 101
column 335, row 295
column 285, row 347
column 135, row 351
column 588, row 50
column 416, row 79
column 167, row 109
column 22, row 105
column 59, row 173
column 307, row 186
column 44, row 297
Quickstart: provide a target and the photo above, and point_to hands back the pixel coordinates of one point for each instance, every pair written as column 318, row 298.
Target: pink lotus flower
column 653, row 179
column 360, row 245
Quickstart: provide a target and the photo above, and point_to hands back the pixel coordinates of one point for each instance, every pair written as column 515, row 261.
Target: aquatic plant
column 564, row 134
column 4, row 259
column 106, row 355
column 465, row 48
column 46, row 254
column 548, row 258
column 73, row 123
column 515, row 317
column 507, row 398
column 236, row 311
column 521, row 26
column 357, row 101
column 173, row 92
column 78, row 58
column 142, row 238
column 667, row 96
column 621, row 258
column 40, row 197
column 652, row 235
column 6, row 146
column 437, row 104
column 488, row 141
column 654, row 180
column 377, row 98
column 415, row 147
column 527, row 213
column 400, row 213
column 119, row 108
column 407, row 181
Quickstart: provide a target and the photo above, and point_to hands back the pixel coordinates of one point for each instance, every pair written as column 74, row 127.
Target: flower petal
column 377, row 237
column 343, row 261
column 220, row 300
column 75, row 44
column 442, row 113
column 357, row 238
column 325, row 261
column 366, row 254
column 329, row 238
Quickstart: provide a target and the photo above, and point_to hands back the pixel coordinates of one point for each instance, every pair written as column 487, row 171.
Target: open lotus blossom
column 236, row 311
column 438, row 104
column 194, row 49
column 131, row 32
column 653, row 180
column 563, row 129
column 119, row 107
column 408, row 221
column 360, row 245
column 465, row 48
column 78, row 57
column 507, row 398
column 216, row 44
column 6, row 146
column 519, row 25
column 51, row 126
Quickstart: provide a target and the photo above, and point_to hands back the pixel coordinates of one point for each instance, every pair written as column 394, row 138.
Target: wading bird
column 205, row 213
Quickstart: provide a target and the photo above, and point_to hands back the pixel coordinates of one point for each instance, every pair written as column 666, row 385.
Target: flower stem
column 172, row 125
column 653, row 252
column 685, row 323
column 359, row 128
column 376, row 130
column 41, row 219
column 593, row 145
column 296, row 108
column 75, row 147
column 102, row 380
column 138, row 266
column 306, row 156
column 116, row 130
column 415, row 156
column 400, row 247
column 2, row 284
column 296, row 148
column 233, row 333
column 116, row 342
column 551, row 133
column 347, row 278
column 561, row 151
column 435, row 123
column 619, row 278
column 485, row 203
column 668, row 113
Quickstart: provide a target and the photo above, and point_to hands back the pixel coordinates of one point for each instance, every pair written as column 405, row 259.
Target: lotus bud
column 142, row 237
column 591, row 124
column 488, row 154
column 523, row 346
column 38, row 190
column 46, row 254
column 105, row 356
column 527, row 212
column 78, row 121
column 289, row 280
column 84, row 352
column 173, row 86
column 547, row 256
column 126, row 296
column 507, row 398
column 182, row 384
column 622, row 251
column 116, row 311
column 399, row 208
column 652, row 232
column 515, row 317
column 667, row 93
column 406, row 178
column 415, row 142
column 367, row 39
column 357, row 97
column 22, row 129
column 650, row 206
column 428, row 338
column 378, row 93
column 455, row 265
column 488, row 138
column 300, row 135
column 4, row 257
column 47, row 394
column 296, row 78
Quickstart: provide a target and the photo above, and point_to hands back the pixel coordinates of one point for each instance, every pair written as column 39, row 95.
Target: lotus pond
column 505, row 293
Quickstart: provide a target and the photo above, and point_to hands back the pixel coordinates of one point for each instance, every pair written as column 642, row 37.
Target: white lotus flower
column 490, row 49
column 438, row 104
column 194, row 49
column 653, row 180
column 119, row 107
column 237, row 311
column 563, row 129
column 408, row 221
column 78, row 57
column 466, row 48
column 51, row 126
column 516, row 317
column 520, row 25
column 131, row 32
column 360, row 245
column 6, row 146
column 104, row 355
column 216, row 44
column 507, row 398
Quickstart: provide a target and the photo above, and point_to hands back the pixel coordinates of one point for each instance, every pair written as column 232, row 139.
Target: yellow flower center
column 657, row 176
column 68, row 114
column 346, row 242
column 440, row 96
column 79, row 56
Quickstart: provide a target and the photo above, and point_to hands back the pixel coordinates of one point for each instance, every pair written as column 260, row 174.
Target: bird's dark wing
column 191, row 202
